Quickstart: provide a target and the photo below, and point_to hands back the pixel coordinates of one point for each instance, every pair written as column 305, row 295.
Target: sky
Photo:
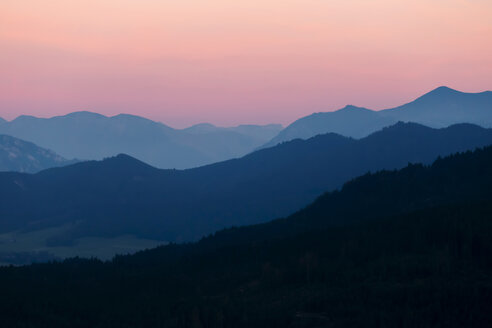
column 227, row 62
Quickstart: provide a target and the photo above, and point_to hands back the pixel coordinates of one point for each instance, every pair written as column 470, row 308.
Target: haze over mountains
column 126, row 200
column 86, row 135
column 369, row 205
column 407, row 248
column 89, row 136
column 21, row 156
column 121, row 195
column 439, row 108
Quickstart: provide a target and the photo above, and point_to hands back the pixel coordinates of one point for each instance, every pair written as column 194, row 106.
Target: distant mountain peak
column 73, row 115
column 131, row 119
column 444, row 88
column 445, row 91
column 93, row 136
column 84, row 114
column 441, row 91
column 23, row 156
column 123, row 115
column 202, row 126
column 24, row 118
column 353, row 108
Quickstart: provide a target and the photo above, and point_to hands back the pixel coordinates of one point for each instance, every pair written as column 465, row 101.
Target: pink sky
column 231, row 62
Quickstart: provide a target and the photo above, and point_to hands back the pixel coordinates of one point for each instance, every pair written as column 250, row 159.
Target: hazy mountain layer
column 444, row 106
column 121, row 195
column 91, row 136
column 22, row 156
column 439, row 108
column 409, row 248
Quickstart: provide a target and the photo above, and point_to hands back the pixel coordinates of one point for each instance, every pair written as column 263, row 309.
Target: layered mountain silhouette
column 356, row 122
column 256, row 132
column 91, row 136
column 409, row 247
column 445, row 106
column 122, row 195
column 439, row 108
column 22, row 156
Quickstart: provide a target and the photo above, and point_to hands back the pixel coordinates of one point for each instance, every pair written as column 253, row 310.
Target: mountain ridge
column 89, row 135
column 181, row 205
column 441, row 107
column 411, row 245
column 22, row 156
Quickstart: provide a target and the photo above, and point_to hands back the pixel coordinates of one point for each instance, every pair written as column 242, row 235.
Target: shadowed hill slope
column 122, row 195
column 407, row 248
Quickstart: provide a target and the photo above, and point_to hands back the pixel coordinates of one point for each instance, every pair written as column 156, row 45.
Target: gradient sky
column 229, row 62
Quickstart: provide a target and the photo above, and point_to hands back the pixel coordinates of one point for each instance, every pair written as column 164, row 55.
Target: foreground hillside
column 408, row 248
column 121, row 195
column 22, row 156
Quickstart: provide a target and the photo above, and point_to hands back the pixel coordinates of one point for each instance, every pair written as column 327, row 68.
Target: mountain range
column 407, row 248
column 21, row 156
column 121, row 195
column 439, row 108
column 91, row 136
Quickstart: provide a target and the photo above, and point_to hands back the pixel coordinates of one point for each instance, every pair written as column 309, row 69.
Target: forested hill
column 408, row 248
column 461, row 178
column 124, row 196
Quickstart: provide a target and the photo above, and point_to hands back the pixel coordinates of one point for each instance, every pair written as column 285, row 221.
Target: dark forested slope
column 122, row 195
column 408, row 248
